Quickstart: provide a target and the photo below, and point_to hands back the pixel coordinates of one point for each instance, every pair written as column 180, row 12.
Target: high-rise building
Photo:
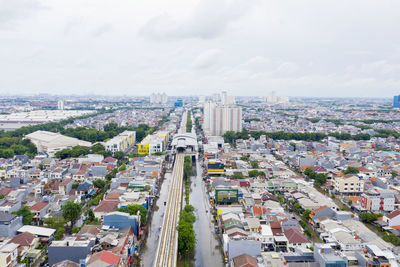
column 272, row 99
column 60, row 105
column 219, row 118
column 224, row 98
column 158, row 98
column 396, row 101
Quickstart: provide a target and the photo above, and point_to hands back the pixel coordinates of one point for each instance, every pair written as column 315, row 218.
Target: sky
column 308, row 48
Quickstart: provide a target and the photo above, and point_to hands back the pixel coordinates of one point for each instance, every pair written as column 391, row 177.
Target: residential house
column 105, row 207
column 84, row 188
column 267, row 238
column 377, row 200
column 244, row 260
column 122, row 220
column 26, row 242
column 9, row 224
column 296, row 239
column 9, row 207
column 71, row 248
column 65, row 187
column 52, row 187
column 323, row 211
column 105, row 258
column 9, row 255
column 39, row 210
column 326, row 256
column 348, row 184
column 393, row 219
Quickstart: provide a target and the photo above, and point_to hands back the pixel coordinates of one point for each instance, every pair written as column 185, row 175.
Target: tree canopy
column 133, row 209
column 186, row 234
column 351, row 170
column 71, row 211
column 27, row 215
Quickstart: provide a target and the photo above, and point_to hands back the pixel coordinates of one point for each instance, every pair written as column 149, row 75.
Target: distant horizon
column 175, row 96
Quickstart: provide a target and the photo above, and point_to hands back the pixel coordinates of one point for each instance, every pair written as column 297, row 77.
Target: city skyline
column 250, row 47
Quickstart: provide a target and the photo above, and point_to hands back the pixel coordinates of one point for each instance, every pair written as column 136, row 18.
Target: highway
column 167, row 248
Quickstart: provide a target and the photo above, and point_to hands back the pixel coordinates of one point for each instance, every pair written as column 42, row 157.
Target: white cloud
column 207, row 58
column 248, row 47
column 11, row 12
column 208, row 20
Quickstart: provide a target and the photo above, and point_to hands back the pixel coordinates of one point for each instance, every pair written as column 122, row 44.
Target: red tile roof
column 24, row 239
column 393, row 214
column 258, row 211
column 113, row 196
column 106, row 257
column 245, row 260
column 39, row 206
column 65, row 182
column 295, row 236
column 106, row 206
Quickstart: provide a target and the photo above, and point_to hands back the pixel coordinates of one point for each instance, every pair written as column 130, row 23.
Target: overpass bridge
column 182, row 144
column 167, row 249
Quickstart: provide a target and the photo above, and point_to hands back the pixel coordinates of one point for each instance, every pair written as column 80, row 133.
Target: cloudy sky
column 192, row 47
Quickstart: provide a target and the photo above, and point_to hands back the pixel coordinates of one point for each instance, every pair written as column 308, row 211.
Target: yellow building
column 154, row 143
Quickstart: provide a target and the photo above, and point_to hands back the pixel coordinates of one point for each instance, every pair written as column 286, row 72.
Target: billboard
column 226, row 196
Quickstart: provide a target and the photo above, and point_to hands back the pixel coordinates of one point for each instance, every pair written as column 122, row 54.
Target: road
column 167, row 249
column 156, row 221
column 208, row 249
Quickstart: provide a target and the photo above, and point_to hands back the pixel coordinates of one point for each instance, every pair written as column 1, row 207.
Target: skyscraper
column 219, row 118
column 60, row 104
column 396, row 101
column 158, row 98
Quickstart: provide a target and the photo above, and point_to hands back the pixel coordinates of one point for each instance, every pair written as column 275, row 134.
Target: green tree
column 297, row 207
column 310, row 173
column 254, row 165
column 351, row 170
column 237, row 175
column 186, row 238
column 95, row 201
column 55, row 222
column 186, row 234
column 99, row 183
column 75, row 230
column 89, row 216
column 122, row 168
column 187, row 168
column 27, row 215
column 133, row 209
column 244, row 158
column 255, row 173
column 306, row 214
column 71, row 211
column 119, row 155
column 59, row 233
column 320, row 178
column 98, row 149
column 369, row 217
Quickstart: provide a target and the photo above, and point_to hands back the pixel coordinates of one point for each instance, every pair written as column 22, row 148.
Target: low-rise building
column 348, row 184
column 69, row 249
column 121, row 142
column 377, row 200
column 9, row 224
